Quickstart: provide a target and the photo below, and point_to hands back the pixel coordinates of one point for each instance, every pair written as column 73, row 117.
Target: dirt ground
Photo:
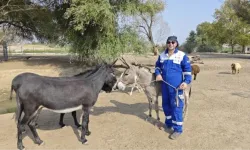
column 218, row 115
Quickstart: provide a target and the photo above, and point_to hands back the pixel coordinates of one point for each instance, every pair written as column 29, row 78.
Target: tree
column 149, row 22
column 190, row 43
column 27, row 18
column 204, row 31
column 244, row 37
column 86, row 25
column 231, row 25
column 242, row 9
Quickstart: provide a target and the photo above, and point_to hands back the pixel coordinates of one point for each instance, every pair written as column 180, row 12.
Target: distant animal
column 28, row 57
column 195, row 70
column 235, row 68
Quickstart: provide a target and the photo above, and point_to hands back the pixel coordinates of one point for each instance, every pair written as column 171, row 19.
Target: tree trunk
column 5, row 51
column 155, row 50
column 243, row 49
column 232, row 46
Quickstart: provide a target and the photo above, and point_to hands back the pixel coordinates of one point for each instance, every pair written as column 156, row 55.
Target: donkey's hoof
column 21, row 147
column 85, row 141
column 42, row 144
column 88, row 133
column 157, row 124
column 39, row 142
column 62, row 125
column 78, row 126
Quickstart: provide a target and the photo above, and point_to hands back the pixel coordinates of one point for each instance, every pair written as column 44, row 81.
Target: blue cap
column 173, row 38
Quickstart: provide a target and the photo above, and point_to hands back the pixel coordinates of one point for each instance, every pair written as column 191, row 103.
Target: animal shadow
column 137, row 109
column 48, row 120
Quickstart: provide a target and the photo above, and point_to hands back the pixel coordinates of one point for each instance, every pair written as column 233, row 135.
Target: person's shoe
column 175, row 135
column 169, row 129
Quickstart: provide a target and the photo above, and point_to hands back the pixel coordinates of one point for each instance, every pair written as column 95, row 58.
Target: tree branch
column 23, row 28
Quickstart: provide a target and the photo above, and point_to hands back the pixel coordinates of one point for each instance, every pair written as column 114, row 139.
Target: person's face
column 171, row 45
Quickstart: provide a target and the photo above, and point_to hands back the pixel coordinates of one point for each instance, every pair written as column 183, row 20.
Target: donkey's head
column 110, row 79
column 128, row 77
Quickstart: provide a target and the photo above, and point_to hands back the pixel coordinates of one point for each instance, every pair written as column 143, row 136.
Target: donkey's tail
column 11, row 92
column 190, row 91
column 19, row 109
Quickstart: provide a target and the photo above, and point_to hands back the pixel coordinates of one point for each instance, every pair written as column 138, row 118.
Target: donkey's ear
column 124, row 62
column 113, row 63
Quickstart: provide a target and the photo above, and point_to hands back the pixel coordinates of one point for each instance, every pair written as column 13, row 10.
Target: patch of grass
column 45, row 51
column 7, row 106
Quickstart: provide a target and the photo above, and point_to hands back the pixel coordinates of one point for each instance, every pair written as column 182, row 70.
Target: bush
column 207, row 48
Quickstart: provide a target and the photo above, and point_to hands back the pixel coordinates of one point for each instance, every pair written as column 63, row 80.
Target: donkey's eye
column 126, row 74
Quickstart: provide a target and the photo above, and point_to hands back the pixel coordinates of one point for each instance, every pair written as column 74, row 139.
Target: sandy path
column 218, row 117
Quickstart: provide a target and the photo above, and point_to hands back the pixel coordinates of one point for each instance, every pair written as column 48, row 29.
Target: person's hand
column 183, row 86
column 159, row 78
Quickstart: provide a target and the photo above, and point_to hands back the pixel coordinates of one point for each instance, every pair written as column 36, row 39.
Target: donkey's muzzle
column 121, row 86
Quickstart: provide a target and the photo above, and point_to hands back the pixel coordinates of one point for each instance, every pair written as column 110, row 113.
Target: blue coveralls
column 175, row 70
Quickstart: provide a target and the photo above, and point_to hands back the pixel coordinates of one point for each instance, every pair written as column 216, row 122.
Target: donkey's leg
column 186, row 102
column 21, row 124
column 132, row 89
column 75, row 119
column 150, row 107
column 157, row 108
column 85, row 120
column 87, row 128
column 157, row 112
column 138, row 87
column 61, row 120
column 34, row 121
column 20, row 127
column 32, row 125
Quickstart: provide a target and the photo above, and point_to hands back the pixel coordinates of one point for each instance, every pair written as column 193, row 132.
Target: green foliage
column 242, row 9
column 191, row 43
column 126, row 41
column 234, row 29
column 89, row 27
column 207, row 48
column 227, row 28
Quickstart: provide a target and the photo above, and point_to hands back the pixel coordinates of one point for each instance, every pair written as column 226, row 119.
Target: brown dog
column 195, row 70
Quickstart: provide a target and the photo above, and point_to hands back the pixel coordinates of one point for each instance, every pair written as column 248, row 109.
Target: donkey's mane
column 89, row 72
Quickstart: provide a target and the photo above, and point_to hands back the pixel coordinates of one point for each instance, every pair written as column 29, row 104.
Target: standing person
column 174, row 70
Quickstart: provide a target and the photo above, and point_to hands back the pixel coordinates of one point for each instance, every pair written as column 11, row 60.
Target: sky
column 183, row 16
